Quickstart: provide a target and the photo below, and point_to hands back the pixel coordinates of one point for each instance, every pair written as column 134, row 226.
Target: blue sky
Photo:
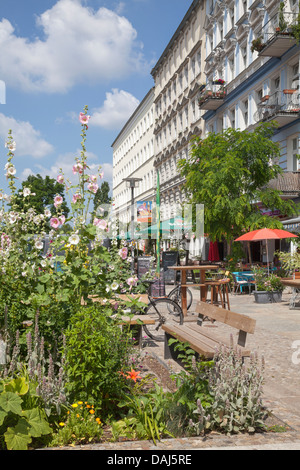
column 58, row 56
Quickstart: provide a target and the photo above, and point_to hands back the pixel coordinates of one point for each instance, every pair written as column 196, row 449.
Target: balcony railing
column 281, row 106
column 211, row 99
column 277, row 35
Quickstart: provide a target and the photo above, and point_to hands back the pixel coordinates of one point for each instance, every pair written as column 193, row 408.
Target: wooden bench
column 205, row 340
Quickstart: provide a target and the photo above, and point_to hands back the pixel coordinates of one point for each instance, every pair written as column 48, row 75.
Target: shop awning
column 292, row 225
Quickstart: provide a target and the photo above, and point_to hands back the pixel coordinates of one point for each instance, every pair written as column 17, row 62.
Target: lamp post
column 132, row 183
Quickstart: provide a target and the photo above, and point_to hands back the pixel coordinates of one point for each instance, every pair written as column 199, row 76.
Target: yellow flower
column 74, row 405
column 62, row 424
column 98, row 420
column 92, row 412
column 80, row 402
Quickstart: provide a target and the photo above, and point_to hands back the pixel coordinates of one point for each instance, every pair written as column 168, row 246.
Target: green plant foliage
column 21, row 416
column 227, row 172
column 96, row 353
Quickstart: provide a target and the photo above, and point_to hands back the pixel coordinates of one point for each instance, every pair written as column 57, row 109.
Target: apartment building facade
column 133, row 157
column 252, row 68
column 259, row 64
column 177, row 76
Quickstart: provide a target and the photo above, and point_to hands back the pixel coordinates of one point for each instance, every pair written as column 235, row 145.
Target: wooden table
column 184, row 285
column 295, row 284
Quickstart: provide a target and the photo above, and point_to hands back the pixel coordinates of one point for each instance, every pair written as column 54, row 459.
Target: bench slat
column 198, row 345
column 135, row 320
column 211, row 343
column 236, row 320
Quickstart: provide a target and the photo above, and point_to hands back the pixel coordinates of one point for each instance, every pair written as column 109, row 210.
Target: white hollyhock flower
column 26, row 192
column 39, row 245
column 11, row 145
column 74, row 239
column 114, row 285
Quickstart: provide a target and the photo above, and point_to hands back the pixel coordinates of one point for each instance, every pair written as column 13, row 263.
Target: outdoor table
column 295, row 284
column 184, row 285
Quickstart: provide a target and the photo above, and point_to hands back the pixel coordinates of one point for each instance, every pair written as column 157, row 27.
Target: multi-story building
column 177, row 76
column 133, row 157
column 257, row 77
column 252, row 68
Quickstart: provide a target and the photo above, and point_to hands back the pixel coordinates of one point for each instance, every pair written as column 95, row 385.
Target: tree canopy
column 45, row 190
column 229, row 173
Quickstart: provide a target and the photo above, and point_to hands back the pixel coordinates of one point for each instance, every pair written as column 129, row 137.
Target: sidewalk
column 277, row 330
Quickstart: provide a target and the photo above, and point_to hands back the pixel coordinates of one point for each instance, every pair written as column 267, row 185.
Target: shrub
column 96, row 353
column 236, row 392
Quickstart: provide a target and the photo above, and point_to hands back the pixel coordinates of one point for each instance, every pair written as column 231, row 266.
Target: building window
column 244, row 57
column 232, row 118
column 295, row 148
column 245, row 113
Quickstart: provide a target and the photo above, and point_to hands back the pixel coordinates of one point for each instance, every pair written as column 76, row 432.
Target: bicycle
column 162, row 310
column 175, row 295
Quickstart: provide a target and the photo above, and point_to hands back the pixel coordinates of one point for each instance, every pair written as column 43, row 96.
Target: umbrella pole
column 267, row 256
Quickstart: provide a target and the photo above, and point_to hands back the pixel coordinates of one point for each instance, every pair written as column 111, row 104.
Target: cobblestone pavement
column 276, row 336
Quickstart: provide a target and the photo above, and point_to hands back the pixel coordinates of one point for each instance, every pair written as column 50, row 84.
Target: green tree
column 228, row 173
column 45, row 189
column 102, row 196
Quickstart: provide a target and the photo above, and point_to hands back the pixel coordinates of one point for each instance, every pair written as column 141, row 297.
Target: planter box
column 265, row 297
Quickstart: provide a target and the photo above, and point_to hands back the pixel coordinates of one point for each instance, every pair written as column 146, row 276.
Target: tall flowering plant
column 58, row 276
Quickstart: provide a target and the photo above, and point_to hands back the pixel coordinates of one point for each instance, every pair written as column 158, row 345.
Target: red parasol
column 266, row 234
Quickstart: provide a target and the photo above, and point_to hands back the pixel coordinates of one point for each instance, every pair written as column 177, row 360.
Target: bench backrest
column 243, row 323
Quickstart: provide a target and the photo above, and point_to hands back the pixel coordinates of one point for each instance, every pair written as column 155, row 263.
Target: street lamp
column 132, row 183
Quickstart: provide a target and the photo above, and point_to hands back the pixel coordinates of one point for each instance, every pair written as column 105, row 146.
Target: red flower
column 134, row 375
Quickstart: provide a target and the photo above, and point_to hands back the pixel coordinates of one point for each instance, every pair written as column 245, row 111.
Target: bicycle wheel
column 175, row 295
column 162, row 311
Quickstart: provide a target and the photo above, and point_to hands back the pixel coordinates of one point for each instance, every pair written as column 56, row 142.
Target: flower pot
column 266, row 297
column 265, row 98
column 289, row 91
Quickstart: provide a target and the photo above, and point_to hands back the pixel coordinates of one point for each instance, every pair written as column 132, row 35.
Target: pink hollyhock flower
column 58, row 200
column 93, row 178
column 76, row 197
column 84, row 118
column 101, row 174
column 78, row 168
column 100, row 223
column 62, row 219
column 93, row 187
column 123, row 252
column 132, row 281
column 54, row 222
column 60, row 179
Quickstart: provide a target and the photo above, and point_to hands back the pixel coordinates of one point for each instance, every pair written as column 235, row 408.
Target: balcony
column 281, row 106
column 278, row 35
column 211, row 99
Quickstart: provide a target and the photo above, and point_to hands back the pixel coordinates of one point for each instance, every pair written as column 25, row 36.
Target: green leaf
column 11, row 402
column 19, row 386
column 36, row 421
column 17, row 438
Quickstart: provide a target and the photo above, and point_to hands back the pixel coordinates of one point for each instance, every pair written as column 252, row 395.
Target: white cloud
column 28, row 140
column 65, row 162
column 116, row 110
column 78, row 46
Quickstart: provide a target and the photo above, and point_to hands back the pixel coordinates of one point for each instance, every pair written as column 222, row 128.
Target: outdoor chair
column 240, row 282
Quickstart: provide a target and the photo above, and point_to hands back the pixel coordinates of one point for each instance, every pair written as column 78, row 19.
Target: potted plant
column 295, row 27
column 269, row 287
column 282, row 24
column 257, row 44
